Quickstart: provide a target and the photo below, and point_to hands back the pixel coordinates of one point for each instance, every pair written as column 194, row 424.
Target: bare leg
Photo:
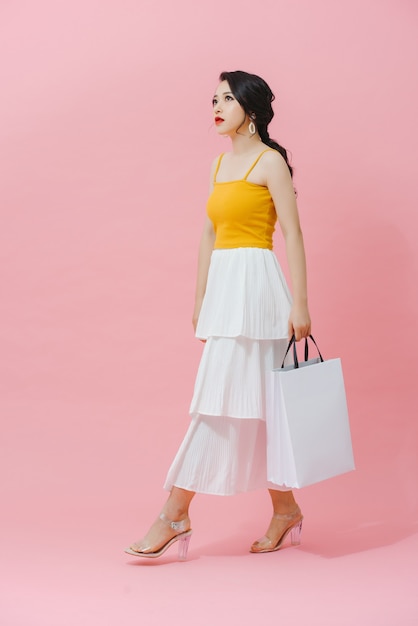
column 283, row 502
column 176, row 509
column 286, row 514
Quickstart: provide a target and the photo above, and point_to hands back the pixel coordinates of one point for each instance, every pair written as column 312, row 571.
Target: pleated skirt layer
column 231, row 379
column 244, row 320
column 221, row 456
column 246, row 295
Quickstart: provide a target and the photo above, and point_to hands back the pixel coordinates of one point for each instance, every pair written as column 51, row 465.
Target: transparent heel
column 183, row 547
column 291, row 524
column 182, row 531
column 295, row 534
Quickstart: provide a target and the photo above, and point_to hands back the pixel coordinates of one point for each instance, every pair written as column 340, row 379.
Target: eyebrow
column 225, row 93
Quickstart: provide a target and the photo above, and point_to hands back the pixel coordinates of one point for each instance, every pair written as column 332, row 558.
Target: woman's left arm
column 280, row 185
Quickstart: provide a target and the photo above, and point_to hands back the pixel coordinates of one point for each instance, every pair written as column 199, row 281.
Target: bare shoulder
column 213, row 170
column 276, row 169
column 274, row 160
column 215, row 163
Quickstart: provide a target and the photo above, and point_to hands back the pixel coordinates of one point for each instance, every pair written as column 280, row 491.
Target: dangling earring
column 251, row 126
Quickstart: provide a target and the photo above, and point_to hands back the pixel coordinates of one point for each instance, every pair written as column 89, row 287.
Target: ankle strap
column 178, row 527
column 290, row 516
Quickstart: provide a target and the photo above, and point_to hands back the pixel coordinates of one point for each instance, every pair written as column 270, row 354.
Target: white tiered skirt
column 244, row 321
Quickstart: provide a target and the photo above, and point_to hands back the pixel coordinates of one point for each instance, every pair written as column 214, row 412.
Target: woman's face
column 227, row 112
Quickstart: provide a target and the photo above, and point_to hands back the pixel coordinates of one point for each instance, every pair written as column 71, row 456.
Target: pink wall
column 106, row 141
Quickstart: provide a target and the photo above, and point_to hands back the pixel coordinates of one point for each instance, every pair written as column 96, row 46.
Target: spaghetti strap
column 255, row 162
column 217, row 166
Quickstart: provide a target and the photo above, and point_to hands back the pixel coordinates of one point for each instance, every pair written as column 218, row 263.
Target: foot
column 160, row 533
column 280, row 526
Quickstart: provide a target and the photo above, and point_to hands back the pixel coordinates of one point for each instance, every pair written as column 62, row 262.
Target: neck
column 242, row 144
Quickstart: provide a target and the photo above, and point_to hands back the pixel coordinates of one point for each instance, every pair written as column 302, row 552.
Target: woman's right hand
column 195, row 318
column 205, row 252
column 196, row 313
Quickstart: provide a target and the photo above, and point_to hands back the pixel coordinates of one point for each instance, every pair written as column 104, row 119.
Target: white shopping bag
column 308, row 431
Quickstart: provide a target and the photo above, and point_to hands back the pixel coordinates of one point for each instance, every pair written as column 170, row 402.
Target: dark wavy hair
column 255, row 97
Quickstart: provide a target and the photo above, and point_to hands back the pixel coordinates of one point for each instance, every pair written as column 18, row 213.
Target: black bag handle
column 292, row 342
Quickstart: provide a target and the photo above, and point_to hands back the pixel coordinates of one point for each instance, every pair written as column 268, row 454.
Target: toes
column 138, row 547
column 261, row 545
column 134, row 547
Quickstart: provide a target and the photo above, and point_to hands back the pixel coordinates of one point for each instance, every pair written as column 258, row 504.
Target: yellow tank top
column 242, row 213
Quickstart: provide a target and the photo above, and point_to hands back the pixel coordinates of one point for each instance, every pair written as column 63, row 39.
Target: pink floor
column 69, row 509
column 340, row 576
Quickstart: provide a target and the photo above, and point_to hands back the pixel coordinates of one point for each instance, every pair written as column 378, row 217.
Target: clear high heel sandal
column 294, row 527
column 182, row 536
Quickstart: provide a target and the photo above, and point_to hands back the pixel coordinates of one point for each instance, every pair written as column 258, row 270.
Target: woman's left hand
column 299, row 322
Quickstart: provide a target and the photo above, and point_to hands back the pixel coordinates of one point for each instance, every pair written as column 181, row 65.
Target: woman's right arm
column 207, row 242
column 205, row 250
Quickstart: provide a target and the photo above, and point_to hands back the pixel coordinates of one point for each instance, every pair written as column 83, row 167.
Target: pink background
column 106, row 142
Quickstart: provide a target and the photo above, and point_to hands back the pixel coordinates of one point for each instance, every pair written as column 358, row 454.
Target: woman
column 244, row 314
